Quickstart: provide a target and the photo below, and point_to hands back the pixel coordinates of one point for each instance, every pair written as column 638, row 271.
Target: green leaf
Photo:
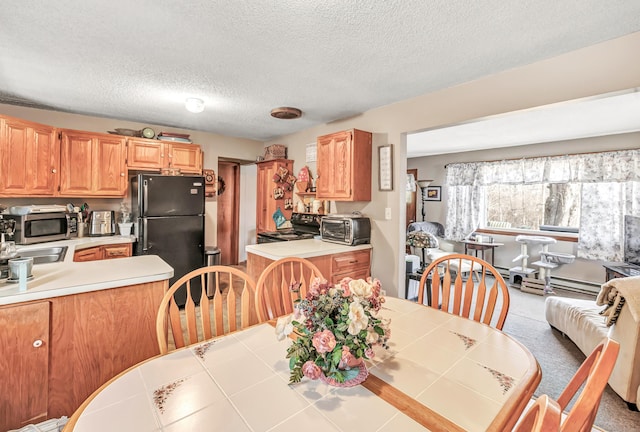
column 336, row 356
column 328, row 321
column 379, row 330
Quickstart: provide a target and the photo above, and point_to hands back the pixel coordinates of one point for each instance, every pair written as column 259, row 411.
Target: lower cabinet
column 103, row 252
column 55, row 353
column 24, row 364
column 354, row 264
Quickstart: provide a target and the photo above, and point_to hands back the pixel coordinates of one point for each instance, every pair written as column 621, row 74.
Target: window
column 552, row 206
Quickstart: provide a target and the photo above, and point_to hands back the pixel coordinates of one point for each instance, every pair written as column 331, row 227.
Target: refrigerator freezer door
column 177, row 240
column 171, row 195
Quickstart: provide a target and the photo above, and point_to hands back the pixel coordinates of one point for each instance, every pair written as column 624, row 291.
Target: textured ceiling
column 139, row 60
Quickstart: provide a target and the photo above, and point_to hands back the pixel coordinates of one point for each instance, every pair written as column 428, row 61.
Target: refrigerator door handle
column 145, row 198
column 145, row 236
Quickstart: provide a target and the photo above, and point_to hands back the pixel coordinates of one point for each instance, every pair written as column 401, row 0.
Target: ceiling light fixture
column 286, row 113
column 194, row 105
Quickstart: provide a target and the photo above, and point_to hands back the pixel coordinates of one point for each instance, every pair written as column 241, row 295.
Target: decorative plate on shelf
column 148, row 132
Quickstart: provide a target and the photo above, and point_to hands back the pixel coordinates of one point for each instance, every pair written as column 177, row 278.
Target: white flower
column 361, row 288
column 358, row 319
column 372, row 336
column 284, row 327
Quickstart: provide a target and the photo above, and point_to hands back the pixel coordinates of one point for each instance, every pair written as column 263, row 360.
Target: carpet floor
column 559, row 357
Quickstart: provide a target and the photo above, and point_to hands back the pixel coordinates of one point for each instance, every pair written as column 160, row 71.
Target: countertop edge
column 301, row 248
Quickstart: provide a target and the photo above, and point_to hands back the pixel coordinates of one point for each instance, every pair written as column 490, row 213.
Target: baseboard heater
column 563, row 283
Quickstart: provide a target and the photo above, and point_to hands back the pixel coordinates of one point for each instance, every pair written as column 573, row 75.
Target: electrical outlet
column 387, row 213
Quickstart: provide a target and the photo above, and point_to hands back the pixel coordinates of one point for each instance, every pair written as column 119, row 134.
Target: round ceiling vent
column 286, row 113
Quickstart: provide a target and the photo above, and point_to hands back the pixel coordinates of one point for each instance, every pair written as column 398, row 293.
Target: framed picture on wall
column 385, row 168
column 432, row 193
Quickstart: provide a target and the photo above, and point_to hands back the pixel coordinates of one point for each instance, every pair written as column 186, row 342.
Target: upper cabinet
column 39, row 160
column 149, row 154
column 92, row 164
column 344, row 166
column 29, row 158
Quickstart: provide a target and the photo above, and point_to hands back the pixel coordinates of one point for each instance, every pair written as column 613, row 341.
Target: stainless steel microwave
column 346, row 229
column 43, row 227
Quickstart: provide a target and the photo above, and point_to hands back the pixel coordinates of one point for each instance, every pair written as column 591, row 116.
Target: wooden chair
column 467, row 286
column 594, row 373
column 274, row 296
column 543, row 416
column 227, row 311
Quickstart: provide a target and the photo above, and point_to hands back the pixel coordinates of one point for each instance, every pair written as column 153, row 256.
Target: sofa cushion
column 579, row 319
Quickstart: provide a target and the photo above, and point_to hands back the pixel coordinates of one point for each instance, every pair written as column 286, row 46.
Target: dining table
column 440, row 372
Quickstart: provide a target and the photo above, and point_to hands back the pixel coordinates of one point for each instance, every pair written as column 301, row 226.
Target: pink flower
column 369, row 353
column 348, row 360
column 324, row 341
column 344, row 284
column 311, row 370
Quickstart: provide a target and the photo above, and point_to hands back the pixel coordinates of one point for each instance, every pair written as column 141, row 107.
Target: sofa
column 582, row 321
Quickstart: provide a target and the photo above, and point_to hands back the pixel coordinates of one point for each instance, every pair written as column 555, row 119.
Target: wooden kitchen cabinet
column 267, row 203
column 103, row 252
column 151, row 155
column 92, row 164
column 356, row 265
column 344, row 166
column 29, row 158
column 24, row 364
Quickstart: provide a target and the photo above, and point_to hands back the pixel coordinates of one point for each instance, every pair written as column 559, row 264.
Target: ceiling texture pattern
column 139, row 60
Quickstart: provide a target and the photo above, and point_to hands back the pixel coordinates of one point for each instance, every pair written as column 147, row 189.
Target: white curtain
column 610, row 189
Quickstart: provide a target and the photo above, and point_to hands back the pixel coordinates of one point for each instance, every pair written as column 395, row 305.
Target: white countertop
column 69, row 277
column 301, row 248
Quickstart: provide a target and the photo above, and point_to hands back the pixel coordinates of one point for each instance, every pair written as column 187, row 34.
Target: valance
column 615, row 166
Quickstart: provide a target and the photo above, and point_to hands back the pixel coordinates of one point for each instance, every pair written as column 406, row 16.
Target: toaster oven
column 346, row 229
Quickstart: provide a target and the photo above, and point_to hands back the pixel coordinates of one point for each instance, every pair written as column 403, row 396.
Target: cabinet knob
column 37, row 343
column 121, row 174
column 54, row 171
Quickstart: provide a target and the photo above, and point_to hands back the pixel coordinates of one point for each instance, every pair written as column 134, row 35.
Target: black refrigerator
column 168, row 213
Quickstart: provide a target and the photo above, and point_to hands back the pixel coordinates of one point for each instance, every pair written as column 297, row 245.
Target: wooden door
column 30, row 155
column 411, row 199
column 228, row 212
column 187, row 157
column 109, row 166
column 24, row 364
column 145, row 154
column 76, row 163
column 334, row 154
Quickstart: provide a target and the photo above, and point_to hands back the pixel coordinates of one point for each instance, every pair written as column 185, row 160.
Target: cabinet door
column 116, row 251
column 187, row 157
column 334, row 166
column 24, row 364
column 88, row 254
column 29, row 161
column 109, row 166
column 344, row 166
column 146, row 154
column 76, row 164
column 92, row 164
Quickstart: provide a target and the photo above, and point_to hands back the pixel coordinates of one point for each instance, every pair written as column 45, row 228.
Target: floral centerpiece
column 335, row 328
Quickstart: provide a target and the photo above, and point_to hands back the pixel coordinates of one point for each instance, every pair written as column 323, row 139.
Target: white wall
column 601, row 68
column 248, row 181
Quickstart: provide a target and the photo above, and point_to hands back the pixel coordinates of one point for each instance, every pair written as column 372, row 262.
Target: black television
column 632, row 240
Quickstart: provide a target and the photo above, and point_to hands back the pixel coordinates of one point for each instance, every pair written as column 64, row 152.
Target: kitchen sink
column 45, row 255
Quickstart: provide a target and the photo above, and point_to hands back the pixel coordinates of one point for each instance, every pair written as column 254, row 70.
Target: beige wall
column 610, row 66
column 214, row 146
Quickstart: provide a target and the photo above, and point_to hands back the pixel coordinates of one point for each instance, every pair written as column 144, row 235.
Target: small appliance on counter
column 103, row 223
column 348, row 229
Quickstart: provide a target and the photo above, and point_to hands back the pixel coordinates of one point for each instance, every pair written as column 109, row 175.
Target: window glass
column 530, row 206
